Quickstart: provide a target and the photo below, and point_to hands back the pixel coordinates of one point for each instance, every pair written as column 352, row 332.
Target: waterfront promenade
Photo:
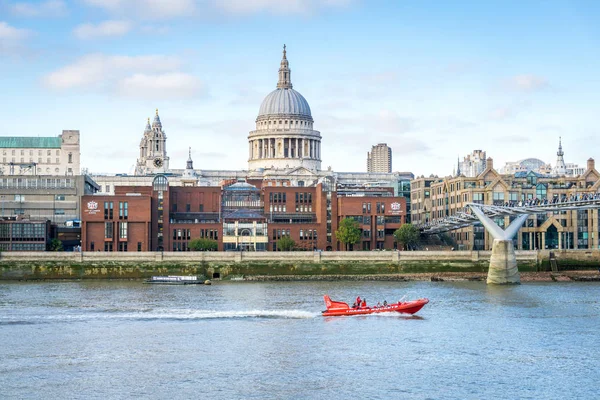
column 353, row 265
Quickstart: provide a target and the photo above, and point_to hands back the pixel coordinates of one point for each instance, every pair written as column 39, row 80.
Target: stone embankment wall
column 224, row 265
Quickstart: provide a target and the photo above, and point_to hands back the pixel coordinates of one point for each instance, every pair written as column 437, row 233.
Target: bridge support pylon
column 503, row 262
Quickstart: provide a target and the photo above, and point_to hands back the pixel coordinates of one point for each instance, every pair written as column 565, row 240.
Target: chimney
column 490, row 163
column 591, row 164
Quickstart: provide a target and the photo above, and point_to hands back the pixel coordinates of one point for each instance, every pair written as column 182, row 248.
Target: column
column 312, row 148
column 268, row 148
column 543, row 245
column 318, row 149
column 301, row 152
column 560, row 240
column 531, row 241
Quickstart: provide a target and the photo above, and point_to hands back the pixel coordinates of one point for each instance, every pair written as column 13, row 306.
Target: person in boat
column 364, row 303
column 358, row 301
column 385, row 303
column 378, row 304
column 354, row 305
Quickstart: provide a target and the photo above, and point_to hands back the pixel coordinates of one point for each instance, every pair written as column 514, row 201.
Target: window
column 19, row 198
column 108, row 246
column 59, row 211
column 123, row 210
column 59, row 197
column 70, row 158
column 122, row 246
column 48, row 153
column 91, row 243
column 139, row 246
column 122, row 230
column 108, row 210
column 108, row 230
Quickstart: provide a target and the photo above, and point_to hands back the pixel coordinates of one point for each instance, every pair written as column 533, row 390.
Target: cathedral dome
column 284, row 101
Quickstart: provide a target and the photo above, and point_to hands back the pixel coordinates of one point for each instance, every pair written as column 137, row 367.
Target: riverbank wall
column 228, row 265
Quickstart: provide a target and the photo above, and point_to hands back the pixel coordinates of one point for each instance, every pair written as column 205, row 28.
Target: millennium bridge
column 503, row 264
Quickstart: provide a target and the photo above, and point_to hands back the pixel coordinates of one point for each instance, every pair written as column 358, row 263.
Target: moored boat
column 336, row 308
column 175, row 280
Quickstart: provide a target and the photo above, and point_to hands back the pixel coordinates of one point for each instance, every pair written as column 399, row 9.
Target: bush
column 203, row 245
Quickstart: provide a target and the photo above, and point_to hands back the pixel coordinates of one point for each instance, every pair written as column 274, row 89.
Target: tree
column 286, row 243
column 200, row 244
column 55, row 245
column 348, row 232
column 408, row 235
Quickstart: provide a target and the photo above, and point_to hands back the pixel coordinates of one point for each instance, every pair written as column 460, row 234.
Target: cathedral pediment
column 301, row 171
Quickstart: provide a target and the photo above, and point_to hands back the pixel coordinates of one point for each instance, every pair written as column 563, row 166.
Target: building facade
column 435, row 197
column 239, row 215
column 379, row 159
column 23, row 234
column 41, row 155
column 44, row 197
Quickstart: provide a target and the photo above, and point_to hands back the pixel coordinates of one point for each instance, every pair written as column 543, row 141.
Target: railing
column 466, row 217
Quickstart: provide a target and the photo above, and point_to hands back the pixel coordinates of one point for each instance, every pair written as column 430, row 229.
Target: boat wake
column 152, row 315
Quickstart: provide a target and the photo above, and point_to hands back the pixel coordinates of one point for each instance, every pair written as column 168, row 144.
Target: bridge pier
column 503, row 263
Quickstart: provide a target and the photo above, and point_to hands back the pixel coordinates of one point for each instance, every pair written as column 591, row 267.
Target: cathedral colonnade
column 285, row 147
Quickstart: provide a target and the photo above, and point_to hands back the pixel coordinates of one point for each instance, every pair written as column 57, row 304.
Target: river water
column 249, row 340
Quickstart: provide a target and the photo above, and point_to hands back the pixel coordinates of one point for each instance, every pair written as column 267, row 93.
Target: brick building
column 239, row 215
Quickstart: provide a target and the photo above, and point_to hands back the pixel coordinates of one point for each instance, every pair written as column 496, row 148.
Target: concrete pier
column 503, row 263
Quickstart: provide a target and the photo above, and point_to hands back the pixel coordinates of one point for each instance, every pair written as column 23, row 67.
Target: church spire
column 190, row 163
column 285, row 74
column 458, row 166
column 560, row 168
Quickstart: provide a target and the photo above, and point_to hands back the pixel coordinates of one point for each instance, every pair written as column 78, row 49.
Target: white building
column 472, row 165
column 58, row 155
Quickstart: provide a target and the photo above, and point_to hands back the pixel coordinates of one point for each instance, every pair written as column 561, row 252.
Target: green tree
column 408, row 235
column 200, row 244
column 286, row 243
column 55, row 245
column 348, row 232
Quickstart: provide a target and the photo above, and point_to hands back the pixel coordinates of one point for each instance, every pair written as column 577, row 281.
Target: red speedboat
column 335, row 308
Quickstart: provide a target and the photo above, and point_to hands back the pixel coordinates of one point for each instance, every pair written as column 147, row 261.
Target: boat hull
column 341, row 309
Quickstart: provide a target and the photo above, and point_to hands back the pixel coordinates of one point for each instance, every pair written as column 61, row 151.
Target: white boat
column 175, row 280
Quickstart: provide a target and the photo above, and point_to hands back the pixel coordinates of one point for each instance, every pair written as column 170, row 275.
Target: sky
column 434, row 80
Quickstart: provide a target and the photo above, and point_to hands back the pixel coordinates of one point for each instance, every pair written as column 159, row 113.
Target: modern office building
column 379, row 159
column 44, row 197
column 23, row 234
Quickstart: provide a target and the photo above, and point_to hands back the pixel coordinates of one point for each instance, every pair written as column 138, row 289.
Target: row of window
column 108, row 246
column 21, row 197
column 109, row 227
column 123, row 210
column 379, row 208
column 48, row 152
column 36, row 183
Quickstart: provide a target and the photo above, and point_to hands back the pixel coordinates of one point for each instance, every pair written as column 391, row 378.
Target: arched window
column 160, row 183
column 70, row 158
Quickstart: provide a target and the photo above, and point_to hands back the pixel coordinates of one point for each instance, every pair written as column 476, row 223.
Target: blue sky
column 433, row 79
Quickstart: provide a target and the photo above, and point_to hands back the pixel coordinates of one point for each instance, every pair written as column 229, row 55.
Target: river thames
column 250, row 340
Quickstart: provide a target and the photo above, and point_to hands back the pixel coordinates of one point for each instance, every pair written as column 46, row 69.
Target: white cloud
column 528, row 82
column 49, row 8
column 111, row 28
column 169, row 85
column 10, row 33
column 500, row 113
column 100, row 70
column 153, row 9
column 164, row 9
column 276, row 6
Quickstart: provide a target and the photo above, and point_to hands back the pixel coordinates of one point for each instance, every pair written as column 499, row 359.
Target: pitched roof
column 30, row 142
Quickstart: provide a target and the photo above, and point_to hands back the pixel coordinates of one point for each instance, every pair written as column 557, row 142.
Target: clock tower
column 153, row 149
